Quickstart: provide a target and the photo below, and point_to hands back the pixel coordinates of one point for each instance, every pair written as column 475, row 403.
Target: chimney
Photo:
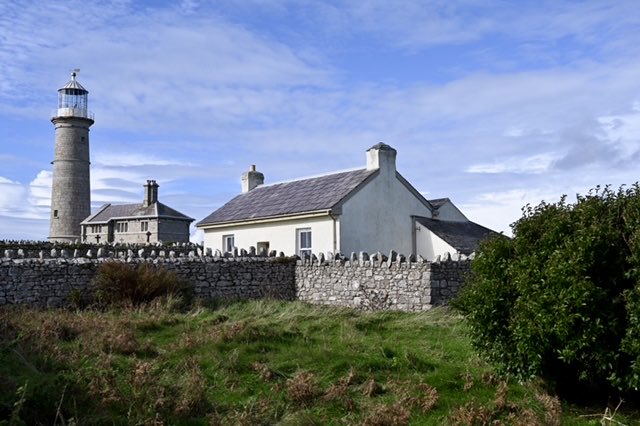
column 381, row 156
column 150, row 193
column 251, row 179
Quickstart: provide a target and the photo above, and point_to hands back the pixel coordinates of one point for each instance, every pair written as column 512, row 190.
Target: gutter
column 268, row 219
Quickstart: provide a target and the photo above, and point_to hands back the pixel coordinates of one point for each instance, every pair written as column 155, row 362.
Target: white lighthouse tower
column 70, row 192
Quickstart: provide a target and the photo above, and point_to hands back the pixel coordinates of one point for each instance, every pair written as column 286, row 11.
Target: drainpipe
column 335, row 232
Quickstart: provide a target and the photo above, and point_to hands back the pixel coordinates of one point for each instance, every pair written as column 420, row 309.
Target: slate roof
column 462, row 236
column 300, row 196
column 111, row 211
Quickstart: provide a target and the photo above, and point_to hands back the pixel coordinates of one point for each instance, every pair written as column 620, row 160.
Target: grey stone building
column 70, row 192
column 147, row 222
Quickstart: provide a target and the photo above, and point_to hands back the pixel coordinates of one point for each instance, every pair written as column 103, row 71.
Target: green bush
column 117, row 283
column 561, row 300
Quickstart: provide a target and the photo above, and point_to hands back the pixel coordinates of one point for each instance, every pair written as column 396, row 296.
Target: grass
column 259, row 363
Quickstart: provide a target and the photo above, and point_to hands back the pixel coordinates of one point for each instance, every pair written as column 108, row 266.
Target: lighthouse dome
column 73, row 99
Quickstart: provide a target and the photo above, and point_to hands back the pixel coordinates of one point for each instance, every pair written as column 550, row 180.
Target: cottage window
column 303, row 242
column 122, row 227
column 144, row 226
column 96, row 229
column 228, row 243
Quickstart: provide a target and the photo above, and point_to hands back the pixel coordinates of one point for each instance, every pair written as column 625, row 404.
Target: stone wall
column 49, row 282
column 378, row 283
column 52, row 250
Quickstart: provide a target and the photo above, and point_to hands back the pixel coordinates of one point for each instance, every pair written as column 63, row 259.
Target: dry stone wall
column 380, row 284
column 47, row 278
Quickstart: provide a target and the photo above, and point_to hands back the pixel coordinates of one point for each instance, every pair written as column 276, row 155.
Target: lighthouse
column 70, row 192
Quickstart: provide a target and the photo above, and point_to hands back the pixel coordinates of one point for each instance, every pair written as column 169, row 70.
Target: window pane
column 304, row 242
column 228, row 243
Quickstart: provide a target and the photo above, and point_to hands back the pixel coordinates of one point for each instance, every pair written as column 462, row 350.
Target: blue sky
column 493, row 104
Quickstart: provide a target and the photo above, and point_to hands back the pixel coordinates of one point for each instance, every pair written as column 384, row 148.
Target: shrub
column 561, row 300
column 118, row 283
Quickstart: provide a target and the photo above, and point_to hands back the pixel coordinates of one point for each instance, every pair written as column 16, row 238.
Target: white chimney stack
column 251, row 179
column 381, row 156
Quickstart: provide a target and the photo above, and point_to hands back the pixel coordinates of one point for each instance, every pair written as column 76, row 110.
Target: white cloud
column 534, row 164
column 40, row 192
column 498, row 210
column 128, row 159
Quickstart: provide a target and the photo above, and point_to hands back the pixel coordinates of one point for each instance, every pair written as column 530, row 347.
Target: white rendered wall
column 429, row 245
column 281, row 235
column 451, row 213
column 378, row 217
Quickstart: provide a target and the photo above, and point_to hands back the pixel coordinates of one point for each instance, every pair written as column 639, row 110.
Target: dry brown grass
column 552, row 408
column 263, row 371
column 500, row 400
column 471, row 414
column 467, row 378
column 103, row 383
column 302, row 388
column 506, row 412
column 428, row 399
column 192, row 391
column 372, row 388
column 389, row 415
column 124, row 343
column 490, row 379
column 340, row 390
column 419, row 396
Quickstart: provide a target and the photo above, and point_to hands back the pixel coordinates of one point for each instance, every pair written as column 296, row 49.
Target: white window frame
column 226, row 247
column 304, row 247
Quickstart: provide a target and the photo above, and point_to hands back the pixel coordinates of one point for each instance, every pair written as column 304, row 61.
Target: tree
column 561, row 299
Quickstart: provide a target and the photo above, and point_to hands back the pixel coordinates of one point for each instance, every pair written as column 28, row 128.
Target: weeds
column 386, row 415
column 302, row 388
column 117, row 283
column 253, row 363
column 552, row 408
column 371, row 388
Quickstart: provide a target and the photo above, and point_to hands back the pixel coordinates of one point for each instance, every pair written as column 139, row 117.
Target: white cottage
column 371, row 209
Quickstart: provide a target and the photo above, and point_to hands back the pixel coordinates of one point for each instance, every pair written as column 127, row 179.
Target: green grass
column 259, row 362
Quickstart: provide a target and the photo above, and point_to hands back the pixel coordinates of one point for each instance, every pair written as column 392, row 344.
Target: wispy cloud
column 533, row 164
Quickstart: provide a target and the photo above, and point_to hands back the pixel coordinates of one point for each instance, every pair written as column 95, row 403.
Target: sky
column 493, row 104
